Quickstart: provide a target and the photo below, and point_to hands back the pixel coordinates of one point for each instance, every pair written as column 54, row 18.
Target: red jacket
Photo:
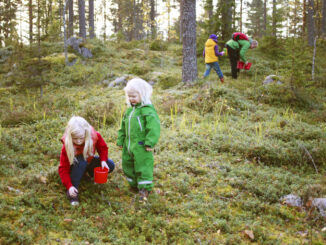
column 64, row 167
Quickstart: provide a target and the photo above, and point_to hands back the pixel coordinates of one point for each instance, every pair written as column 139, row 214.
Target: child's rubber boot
column 222, row 80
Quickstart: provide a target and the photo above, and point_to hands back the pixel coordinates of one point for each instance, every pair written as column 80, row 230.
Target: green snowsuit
column 140, row 127
column 241, row 45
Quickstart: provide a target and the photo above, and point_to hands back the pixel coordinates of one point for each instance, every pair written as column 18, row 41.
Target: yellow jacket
column 210, row 55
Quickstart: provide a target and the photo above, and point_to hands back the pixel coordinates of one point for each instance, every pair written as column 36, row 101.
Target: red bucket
column 247, row 67
column 240, row 65
column 100, row 175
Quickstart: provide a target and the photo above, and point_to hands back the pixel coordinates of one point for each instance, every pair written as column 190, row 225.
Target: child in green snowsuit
column 139, row 133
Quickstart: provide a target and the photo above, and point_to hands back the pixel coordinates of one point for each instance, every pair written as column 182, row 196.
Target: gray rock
column 110, row 75
column 292, row 200
column 9, row 74
column 86, row 52
column 320, row 203
column 272, row 79
column 4, row 54
column 151, row 82
column 106, row 82
column 75, row 43
column 157, row 73
column 120, row 81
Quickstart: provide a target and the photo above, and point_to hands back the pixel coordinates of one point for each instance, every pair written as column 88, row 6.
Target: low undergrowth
column 226, row 156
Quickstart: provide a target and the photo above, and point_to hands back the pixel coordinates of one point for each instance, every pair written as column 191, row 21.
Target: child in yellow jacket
column 211, row 54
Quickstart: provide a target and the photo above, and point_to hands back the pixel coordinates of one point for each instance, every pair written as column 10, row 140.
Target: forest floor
column 227, row 154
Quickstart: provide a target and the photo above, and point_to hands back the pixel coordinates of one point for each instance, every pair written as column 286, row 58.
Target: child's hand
column 222, row 53
column 104, row 165
column 148, row 148
column 73, row 191
column 120, row 146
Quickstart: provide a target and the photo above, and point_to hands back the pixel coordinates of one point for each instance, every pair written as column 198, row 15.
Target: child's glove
column 222, row 53
column 73, row 192
column 104, row 165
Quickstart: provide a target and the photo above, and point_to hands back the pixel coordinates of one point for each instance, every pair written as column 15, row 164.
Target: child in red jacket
column 80, row 141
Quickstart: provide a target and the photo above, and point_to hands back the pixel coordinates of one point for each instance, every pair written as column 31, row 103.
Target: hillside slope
column 227, row 154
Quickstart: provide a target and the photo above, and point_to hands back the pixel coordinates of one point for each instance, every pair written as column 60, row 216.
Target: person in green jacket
column 237, row 48
column 139, row 133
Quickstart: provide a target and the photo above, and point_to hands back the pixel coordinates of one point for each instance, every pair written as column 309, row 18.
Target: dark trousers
column 234, row 57
column 80, row 167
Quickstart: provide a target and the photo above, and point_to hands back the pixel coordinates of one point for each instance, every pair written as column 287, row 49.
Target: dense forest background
column 241, row 162
column 30, row 23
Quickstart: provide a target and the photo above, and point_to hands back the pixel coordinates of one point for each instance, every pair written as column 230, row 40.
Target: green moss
column 225, row 157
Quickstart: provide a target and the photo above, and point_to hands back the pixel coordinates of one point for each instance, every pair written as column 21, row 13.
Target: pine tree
column 265, row 18
column 152, row 18
column 189, row 65
column 82, row 21
column 323, row 25
column 8, row 21
column 310, row 23
column 295, row 13
column 123, row 17
column 30, row 15
column 208, row 7
column 227, row 18
column 91, row 18
column 241, row 13
column 256, row 18
column 70, row 18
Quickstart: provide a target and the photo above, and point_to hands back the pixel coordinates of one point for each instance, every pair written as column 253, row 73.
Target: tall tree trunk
column 64, row 29
column 209, row 13
column 71, row 18
column 152, row 19
column 30, row 15
column 1, row 28
column 168, row 3
column 189, row 65
column 181, row 17
column 48, row 17
column 82, row 21
column 323, row 23
column 38, row 23
column 104, row 24
column 241, row 8
column 304, row 16
column 60, row 11
column 39, row 44
column 91, row 19
column 274, row 19
column 226, row 19
column 133, row 32
column 139, row 25
column 119, row 26
column 265, row 17
column 6, row 19
column 310, row 23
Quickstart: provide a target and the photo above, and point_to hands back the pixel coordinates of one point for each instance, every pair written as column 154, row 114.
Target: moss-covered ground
column 227, row 154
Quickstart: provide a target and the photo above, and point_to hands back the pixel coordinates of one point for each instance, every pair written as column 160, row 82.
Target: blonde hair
column 78, row 127
column 254, row 43
column 140, row 86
